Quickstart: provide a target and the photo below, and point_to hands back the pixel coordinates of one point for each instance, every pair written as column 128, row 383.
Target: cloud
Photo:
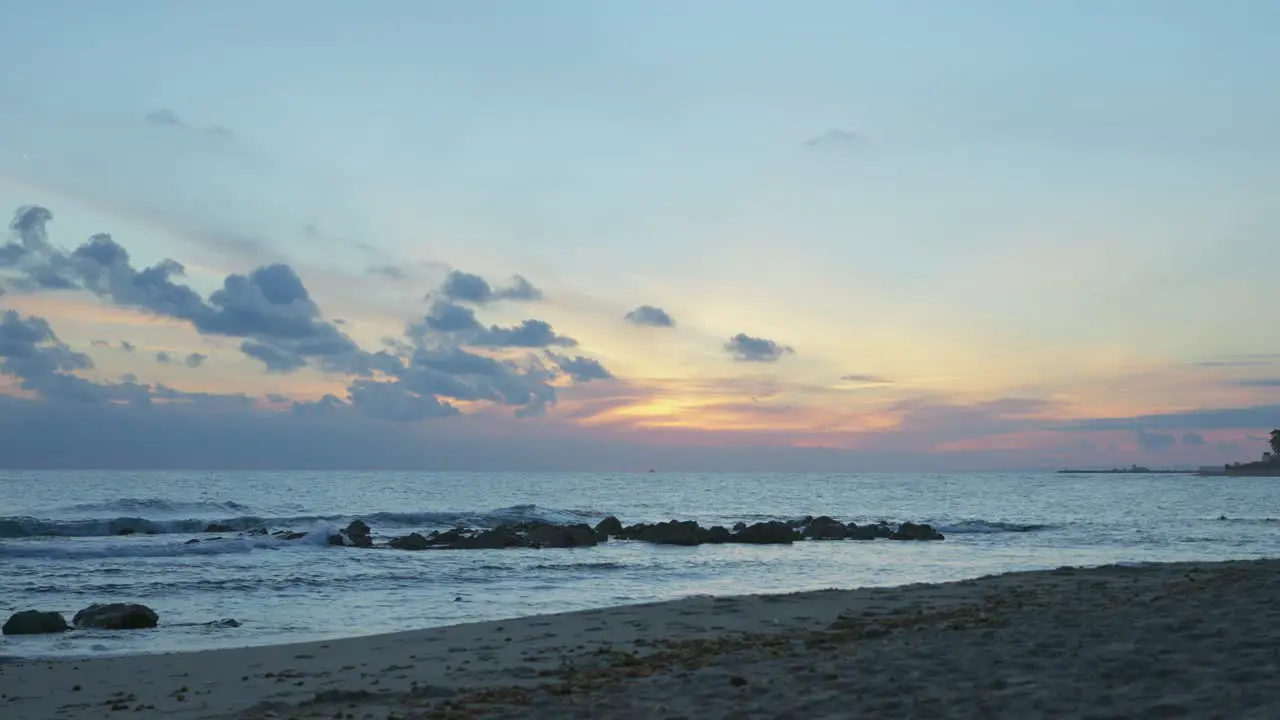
column 1259, row 382
column 270, row 310
column 1193, row 439
column 1151, row 441
column 650, row 316
column 528, row 334
column 31, row 352
column 465, row 287
column 269, row 307
column 745, row 348
column 100, row 343
column 1257, row 416
column 862, row 379
column 581, row 369
column 165, row 118
column 390, row 272
column 834, row 139
column 449, row 317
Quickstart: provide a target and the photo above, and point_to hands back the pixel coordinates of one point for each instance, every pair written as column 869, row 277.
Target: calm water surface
column 60, row 547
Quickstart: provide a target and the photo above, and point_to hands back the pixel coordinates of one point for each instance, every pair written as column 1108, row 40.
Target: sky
column 817, row 235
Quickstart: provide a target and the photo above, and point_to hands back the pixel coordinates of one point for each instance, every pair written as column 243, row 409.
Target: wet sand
column 1159, row 641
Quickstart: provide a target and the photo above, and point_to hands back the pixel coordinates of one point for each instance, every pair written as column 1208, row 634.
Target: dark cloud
column 745, row 348
column 164, row 117
column 650, row 316
column 280, row 325
column 866, row 379
column 396, row 401
column 390, row 272
column 1152, row 441
column 44, row 365
column 29, row 350
column 1193, row 439
column 195, row 360
column 581, row 369
column 528, row 334
column 834, row 139
column 448, row 317
column 465, row 287
column 1258, row 416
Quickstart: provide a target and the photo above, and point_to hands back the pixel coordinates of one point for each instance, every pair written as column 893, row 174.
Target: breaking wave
column 986, row 527
column 27, row 527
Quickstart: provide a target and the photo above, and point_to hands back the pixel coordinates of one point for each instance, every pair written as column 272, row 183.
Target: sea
column 61, row 546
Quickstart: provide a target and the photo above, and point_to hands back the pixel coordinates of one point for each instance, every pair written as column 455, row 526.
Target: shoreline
column 1172, row 639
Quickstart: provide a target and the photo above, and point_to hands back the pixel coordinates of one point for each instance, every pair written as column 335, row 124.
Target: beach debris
column 35, row 622
column 116, row 616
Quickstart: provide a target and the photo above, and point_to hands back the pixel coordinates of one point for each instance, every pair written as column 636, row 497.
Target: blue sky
column 1001, row 219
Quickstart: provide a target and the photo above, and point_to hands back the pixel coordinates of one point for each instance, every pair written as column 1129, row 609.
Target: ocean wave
column 153, row 506
column 27, row 527
column 985, row 527
column 316, row 537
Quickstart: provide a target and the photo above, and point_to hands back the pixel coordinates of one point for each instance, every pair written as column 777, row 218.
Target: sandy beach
column 1172, row 640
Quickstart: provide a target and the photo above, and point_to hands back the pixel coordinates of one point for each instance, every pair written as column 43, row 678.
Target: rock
column 608, row 527
column 673, row 532
column 218, row 528
column 284, row 535
column 412, row 541
column 765, row 533
column 716, row 535
column 117, row 616
column 34, row 622
column 545, row 535
column 868, row 532
column 492, row 539
column 801, row 522
column 192, row 541
column 127, row 531
column 739, row 527
column 825, row 528
column 912, row 531
column 358, row 533
column 224, row 623
column 337, row 539
column 258, row 531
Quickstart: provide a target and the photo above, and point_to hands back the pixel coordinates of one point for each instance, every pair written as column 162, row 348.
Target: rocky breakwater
column 685, row 533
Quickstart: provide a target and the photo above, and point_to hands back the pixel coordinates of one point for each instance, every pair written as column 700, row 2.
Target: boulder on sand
column 117, row 616
column 35, row 622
